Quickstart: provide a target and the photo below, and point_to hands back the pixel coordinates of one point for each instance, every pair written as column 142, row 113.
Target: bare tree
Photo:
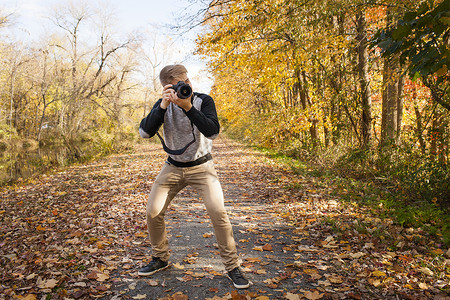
column 93, row 69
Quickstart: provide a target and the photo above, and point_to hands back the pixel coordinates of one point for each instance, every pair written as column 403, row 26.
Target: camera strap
column 178, row 151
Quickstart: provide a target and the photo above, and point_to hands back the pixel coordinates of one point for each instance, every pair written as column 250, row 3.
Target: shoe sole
column 240, row 286
column 153, row 272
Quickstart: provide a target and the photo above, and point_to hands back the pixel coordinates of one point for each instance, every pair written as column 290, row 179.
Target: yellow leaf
column 178, row 266
column 179, row 296
column 141, row 234
column 258, row 248
column 2, row 211
column 378, row 273
column 140, row 296
column 437, row 251
column 60, row 193
column 40, row 228
column 27, row 297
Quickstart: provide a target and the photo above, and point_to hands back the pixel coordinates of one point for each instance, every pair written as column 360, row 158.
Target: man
column 190, row 124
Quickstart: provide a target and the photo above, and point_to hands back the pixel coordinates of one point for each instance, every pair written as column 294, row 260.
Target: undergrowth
column 397, row 184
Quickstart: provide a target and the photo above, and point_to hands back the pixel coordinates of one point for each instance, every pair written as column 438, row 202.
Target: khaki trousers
column 203, row 178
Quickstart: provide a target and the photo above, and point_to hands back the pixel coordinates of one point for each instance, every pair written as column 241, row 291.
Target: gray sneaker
column 239, row 281
column 154, row 266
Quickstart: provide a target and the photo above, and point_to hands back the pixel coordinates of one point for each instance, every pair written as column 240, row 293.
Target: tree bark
column 363, row 74
column 401, row 84
column 389, row 103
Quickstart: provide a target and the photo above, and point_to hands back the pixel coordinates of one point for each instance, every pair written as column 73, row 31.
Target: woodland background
column 357, row 89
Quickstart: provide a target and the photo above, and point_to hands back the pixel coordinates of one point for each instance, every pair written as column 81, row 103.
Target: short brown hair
column 171, row 72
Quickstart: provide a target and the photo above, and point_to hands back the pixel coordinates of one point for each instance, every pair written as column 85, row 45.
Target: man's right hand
column 167, row 95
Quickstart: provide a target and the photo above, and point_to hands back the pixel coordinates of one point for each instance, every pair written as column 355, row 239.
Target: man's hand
column 169, row 95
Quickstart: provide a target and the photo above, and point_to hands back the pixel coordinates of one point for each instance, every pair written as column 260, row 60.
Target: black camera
column 183, row 90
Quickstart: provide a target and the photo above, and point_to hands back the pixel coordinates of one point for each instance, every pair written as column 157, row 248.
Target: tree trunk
column 419, row 132
column 363, row 74
column 389, row 103
column 392, row 104
column 401, row 84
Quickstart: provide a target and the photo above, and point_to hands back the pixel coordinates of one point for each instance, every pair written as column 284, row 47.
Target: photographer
column 190, row 124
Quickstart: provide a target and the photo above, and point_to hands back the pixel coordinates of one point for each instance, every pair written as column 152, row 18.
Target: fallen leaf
column 31, row 276
column 40, row 228
column 378, row 273
column 27, row 297
column 291, row 296
column 267, row 247
column 141, row 234
column 236, row 296
column 423, row 286
column 152, row 282
column 92, row 275
column 374, row 282
column 426, row 271
column 437, row 252
column 60, row 193
column 178, row 266
column 185, row 278
column 357, row 255
column 102, row 277
column 253, row 259
column 48, row 284
column 179, row 296
column 335, row 279
column 140, row 296
column 313, row 295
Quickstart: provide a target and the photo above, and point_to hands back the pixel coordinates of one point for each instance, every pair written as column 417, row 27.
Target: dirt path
column 81, row 234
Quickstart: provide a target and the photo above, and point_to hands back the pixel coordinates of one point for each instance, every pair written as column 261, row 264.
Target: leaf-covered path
column 80, row 233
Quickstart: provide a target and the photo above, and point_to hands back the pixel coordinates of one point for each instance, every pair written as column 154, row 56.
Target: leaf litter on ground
column 80, row 233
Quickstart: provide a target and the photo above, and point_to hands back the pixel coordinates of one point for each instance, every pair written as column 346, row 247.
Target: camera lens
column 184, row 92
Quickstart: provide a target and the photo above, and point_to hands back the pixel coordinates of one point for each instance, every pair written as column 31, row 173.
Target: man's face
column 183, row 78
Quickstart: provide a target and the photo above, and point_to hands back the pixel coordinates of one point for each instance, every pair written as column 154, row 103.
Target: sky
column 30, row 21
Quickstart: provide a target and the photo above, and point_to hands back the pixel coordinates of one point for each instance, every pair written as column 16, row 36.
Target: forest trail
column 80, row 233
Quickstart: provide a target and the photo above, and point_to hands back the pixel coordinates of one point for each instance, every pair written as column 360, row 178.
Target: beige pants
column 203, row 178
